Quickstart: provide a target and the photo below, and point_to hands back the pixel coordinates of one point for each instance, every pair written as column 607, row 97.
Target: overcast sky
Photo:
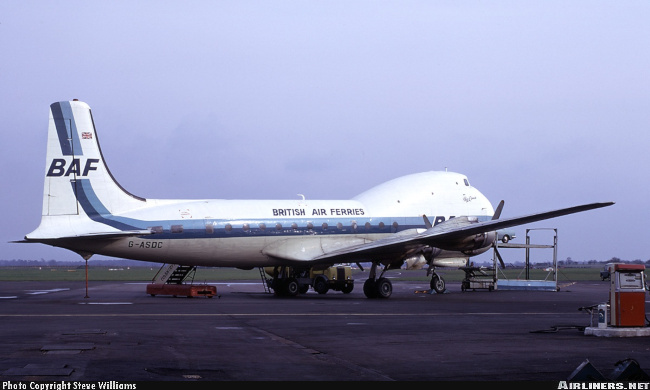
column 545, row 104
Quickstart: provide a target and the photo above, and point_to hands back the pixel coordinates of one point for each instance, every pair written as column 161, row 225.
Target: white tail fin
column 78, row 185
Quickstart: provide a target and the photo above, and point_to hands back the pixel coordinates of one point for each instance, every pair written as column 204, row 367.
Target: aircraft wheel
column 369, row 288
column 292, row 288
column 438, row 284
column 278, row 288
column 384, row 288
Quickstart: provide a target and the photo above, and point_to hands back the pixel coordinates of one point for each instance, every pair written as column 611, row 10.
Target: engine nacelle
column 481, row 241
column 450, row 262
column 424, row 256
column 470, row 243
column 415, row 262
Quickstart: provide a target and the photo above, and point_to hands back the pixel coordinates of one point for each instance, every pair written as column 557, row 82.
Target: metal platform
column 536, row 285
column 617, row 332
column 526, row 283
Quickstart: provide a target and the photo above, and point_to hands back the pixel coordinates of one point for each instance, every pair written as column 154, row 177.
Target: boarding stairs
column 169, row 281
column 174, row 274
column 265, row 281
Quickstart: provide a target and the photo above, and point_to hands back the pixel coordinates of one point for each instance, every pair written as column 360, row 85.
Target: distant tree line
column 69, row 263
column 133, row 263
column 568, row 261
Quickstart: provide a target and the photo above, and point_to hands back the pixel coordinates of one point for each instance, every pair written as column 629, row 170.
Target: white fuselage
column 245, row 233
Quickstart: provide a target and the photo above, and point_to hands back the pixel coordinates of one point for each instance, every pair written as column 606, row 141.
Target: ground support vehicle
column 289, row 281
column 478, row 278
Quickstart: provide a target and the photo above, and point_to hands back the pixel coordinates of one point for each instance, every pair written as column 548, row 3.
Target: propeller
column 497, row 213
column 427, row 223
column 495, row 216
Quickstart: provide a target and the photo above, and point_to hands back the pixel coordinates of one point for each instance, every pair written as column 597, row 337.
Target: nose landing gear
column 437, row 283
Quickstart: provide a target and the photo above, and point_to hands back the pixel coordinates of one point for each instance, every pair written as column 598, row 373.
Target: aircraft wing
column 440, row 235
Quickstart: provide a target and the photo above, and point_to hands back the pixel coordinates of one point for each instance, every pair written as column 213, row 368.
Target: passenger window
column 156, row 229
column 209, row 228
column 177, row 228
column 228, row 228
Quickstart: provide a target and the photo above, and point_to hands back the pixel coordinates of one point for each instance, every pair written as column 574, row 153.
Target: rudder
column 76, row 176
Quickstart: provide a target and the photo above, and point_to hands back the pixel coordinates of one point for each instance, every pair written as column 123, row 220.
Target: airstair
column 265, row 281
column 173, row 274
column 170, row 281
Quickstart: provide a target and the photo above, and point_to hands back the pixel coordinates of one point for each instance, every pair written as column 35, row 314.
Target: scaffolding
column 526, row 283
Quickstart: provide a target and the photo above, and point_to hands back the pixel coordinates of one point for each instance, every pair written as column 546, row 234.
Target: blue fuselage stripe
column 66, row 129
column 219, row 228
column 96, row 210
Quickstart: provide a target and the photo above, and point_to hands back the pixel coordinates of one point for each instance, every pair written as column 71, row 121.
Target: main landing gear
column 380, row 287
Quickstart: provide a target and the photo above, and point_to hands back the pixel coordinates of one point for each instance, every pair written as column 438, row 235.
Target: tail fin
column 78, row 183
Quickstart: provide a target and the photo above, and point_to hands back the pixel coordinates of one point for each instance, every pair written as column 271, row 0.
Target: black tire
column 292, row 288
column 347, row 288
column 437, row 284
column 369, row 288
column 384, row 288
column 321, row 286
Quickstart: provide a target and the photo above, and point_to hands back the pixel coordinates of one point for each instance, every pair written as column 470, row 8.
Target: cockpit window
column 466, row 182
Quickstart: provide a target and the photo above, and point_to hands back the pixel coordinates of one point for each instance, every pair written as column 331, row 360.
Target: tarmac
column 52, row 331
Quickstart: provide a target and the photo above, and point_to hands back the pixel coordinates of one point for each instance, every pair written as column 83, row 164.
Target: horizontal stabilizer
column 97, row 235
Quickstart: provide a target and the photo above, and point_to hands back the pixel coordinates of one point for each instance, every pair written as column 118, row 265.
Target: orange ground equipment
column 627, row 295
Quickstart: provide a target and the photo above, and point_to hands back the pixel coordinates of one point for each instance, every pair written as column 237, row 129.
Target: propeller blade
column 497, row 213
column 427, row 223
